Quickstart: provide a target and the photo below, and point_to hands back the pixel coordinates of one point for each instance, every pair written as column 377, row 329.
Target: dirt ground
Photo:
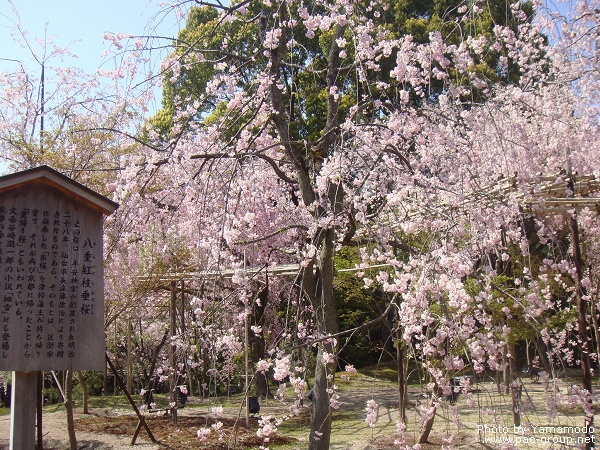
column 56, row 437
column 350, row 432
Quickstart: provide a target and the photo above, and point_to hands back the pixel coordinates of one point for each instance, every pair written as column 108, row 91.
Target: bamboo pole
column 172, row 360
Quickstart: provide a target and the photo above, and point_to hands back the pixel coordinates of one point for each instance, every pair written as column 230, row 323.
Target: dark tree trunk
column 400, row 361
column 540, row 346
column 323, row 303
column 506, row 372
column 257, row 342
column 402, row 385
column 104, row 380
column 318, row 287
column 154, row 361
column 515, row 389
column 585, row 345
column 424, row 438
column 203, row 376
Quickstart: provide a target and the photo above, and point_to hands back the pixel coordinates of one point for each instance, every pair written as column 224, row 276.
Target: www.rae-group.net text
column 532, row 434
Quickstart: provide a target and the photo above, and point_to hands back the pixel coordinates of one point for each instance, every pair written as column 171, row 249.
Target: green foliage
column 94, row 380
column 198, row 50
column 421, row 18
column 204, row 48
column 510, row 294
column 356, row 306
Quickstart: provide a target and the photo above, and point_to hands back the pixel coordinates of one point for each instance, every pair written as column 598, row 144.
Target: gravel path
column 56, row 438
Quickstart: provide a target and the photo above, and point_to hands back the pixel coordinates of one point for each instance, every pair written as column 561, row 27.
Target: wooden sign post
column 51, row 284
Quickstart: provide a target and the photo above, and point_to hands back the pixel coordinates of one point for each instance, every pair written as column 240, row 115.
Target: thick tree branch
column 266, row 158
column 276, row 168
column 351, row 331
column 269, row 236
column 279, row 119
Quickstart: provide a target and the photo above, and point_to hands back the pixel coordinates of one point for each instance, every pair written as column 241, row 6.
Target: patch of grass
column 98, row 402
column 54, row 407
column 111, row 401
column 387, row 371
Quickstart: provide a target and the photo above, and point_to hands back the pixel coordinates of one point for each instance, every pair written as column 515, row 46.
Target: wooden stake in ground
column 40, row 404
column 142, row 421
column 173, row 362
column 69, row 410
column 83, row 384
column 402, row 382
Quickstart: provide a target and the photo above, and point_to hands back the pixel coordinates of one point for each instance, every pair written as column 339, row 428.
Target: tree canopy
column 384, row 126
column 449, row 146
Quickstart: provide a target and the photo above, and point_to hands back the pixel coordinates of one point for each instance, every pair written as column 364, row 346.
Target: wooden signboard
column 51, row 273
column 51, row 284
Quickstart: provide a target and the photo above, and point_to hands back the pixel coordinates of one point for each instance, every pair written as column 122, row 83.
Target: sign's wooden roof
column 49, row 176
